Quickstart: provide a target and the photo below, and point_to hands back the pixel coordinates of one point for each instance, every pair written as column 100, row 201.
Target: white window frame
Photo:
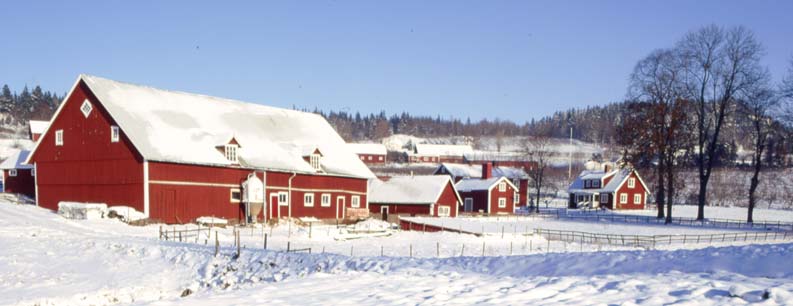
column 314, row 159
column 283, row 199
column 324, row 197
column 444, row 211
column 380, row 158
column 59, row 138
column 502, row 187
column 369, row 157
column 631, row 182
column 308, row 199
column 86, row 108
column 637, row 198
column 230, row 151
column 604, row 198
column 516, row 198
column 502, row 202
column 12, row 172
column 231, row 195
column 623, row 198
column 363, row 157
column 355, row 201
column 115, row 133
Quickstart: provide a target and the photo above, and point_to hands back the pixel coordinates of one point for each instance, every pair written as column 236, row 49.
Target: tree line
column 683, row 100
column 17, row 108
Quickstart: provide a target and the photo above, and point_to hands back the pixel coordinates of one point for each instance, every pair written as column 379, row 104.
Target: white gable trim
column 440, row 193
column 503, row 178
column 54, row 116
column 628, row 177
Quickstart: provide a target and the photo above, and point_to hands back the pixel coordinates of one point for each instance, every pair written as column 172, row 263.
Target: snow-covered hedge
column 88, row 211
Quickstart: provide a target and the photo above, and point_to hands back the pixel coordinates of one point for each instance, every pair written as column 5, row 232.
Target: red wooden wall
column 509, row 194
column 638, row 189
column 23, row 183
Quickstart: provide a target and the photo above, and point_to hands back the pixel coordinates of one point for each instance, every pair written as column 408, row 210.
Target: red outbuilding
column 612, row 189
column 518, row 176
column 438, row 153
column 36, row 128
column 491, row 195
column 178, row 156
column 370, row 153
column 427, row 195
column 18, row 177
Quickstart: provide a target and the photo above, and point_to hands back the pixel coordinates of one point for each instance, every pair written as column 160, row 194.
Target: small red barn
column 613, row 189
column 177, row 156
column 369, row 153
column 491, row 195
column 438, row 153
column 518, row 176
column 18, row 177
column 36, row 128
column 428, row 195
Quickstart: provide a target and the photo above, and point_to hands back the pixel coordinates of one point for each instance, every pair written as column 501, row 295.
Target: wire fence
column 596, row 216
column 656, row 240
column 186, row 235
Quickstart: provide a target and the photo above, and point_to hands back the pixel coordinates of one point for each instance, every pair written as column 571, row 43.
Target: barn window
column 86, row 108
column 308, row 200
column 315, row 162
column 356, row 201
column 114, row 133
column 516, row 198
column 380, row 158
column 363, row 157
column 12, row 172
column 604, row 198
column 631, row 182
column 623, row 198
column 637, row 198
column 369, row 157
column 325, row 200
column 282, row 199
column 502, row 202
column 231, row 153
column 444, row 211
column 236, row 195
column 502, row 186
column 59, row 137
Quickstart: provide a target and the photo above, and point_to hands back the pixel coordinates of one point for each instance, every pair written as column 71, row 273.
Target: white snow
column 718, row 212
column 49, row 260
column 211, row 220
column 126, row 213
column 16, row 160
column 418, row 189
column 443, row 149
column 38, row 126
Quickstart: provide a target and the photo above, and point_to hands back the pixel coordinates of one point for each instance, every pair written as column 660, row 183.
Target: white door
column 340, row 207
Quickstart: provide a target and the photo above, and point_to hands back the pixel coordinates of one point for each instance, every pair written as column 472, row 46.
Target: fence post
column 288, row 245
column 265, row 241
column 309, row 229
column 352, row 248
column 510, row 248
column 381, row 251
column 217, row 244
column 238, row 244
column 411, row 250
column 160, row 237
column 483, row 249
column 462, row 250
column 502, row 232
column 437, row 249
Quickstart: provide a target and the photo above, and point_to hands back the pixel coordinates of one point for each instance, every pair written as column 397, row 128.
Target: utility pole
column 570, row 157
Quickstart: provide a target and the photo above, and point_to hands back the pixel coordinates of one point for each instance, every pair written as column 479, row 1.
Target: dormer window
column 231, row 153
column 314, row 159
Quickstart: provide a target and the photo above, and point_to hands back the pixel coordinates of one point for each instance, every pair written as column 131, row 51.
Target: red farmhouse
column 177, row 156
column 617, row 189
column 428, row 195
column 518, row 177
column 370, row 153
column 491, row 195
column 18, row 177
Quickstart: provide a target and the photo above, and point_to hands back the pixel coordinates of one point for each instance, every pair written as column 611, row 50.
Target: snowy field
column 720, row 212
column 48, row 260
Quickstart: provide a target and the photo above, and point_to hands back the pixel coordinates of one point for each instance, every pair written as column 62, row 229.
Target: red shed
column 493, row 195
column 18, row 177
column 613, row 189
column 370, row 153
column 177, row 156
column 518, row 176
column 429, row 195
column 36, row 128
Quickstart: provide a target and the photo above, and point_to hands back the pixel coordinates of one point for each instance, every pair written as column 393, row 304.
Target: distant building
column 428, row 195
column 517, row 176
column 370, row 153
column 438, row 153
column 488, row 194
column 17, row 176
column 36, row 128
column 509, row 159
column 613, row 189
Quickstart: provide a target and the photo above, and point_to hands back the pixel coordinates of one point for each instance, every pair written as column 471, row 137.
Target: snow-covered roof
column 38, row 126
column 475, row 184
column 495, row 156
column 619, row 176
column 367, row 148
column 182, row 127
column 443, row 150
column 475, row 171
column 420, row 189
column 16, row 160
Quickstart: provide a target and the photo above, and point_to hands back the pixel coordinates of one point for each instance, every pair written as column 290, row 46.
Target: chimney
column 487, row 170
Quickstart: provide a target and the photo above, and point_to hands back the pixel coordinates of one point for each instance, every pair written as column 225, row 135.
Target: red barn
column 613, row 189
column 491, row 195
column 428, row 195
column 18, row 177
column 36, row 128
column 370, row 153
column 177, row 156
column 518, row 176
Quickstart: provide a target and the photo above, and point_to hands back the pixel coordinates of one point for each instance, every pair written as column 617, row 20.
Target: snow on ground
column 720, row 212
column 49, row 260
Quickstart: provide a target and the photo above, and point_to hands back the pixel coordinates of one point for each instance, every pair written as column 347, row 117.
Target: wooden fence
column 193, row 234
column 596, row 216
column 655, row 240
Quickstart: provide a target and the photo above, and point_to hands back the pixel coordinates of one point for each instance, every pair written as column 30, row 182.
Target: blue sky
column 480, row 59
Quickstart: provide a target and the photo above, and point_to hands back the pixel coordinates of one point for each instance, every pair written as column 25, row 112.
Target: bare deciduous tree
column 757, row 105
column 718, row 64
column 537, row 150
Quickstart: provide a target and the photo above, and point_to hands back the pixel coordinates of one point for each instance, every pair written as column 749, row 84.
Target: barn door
column 274, row 206
column 340, row 207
